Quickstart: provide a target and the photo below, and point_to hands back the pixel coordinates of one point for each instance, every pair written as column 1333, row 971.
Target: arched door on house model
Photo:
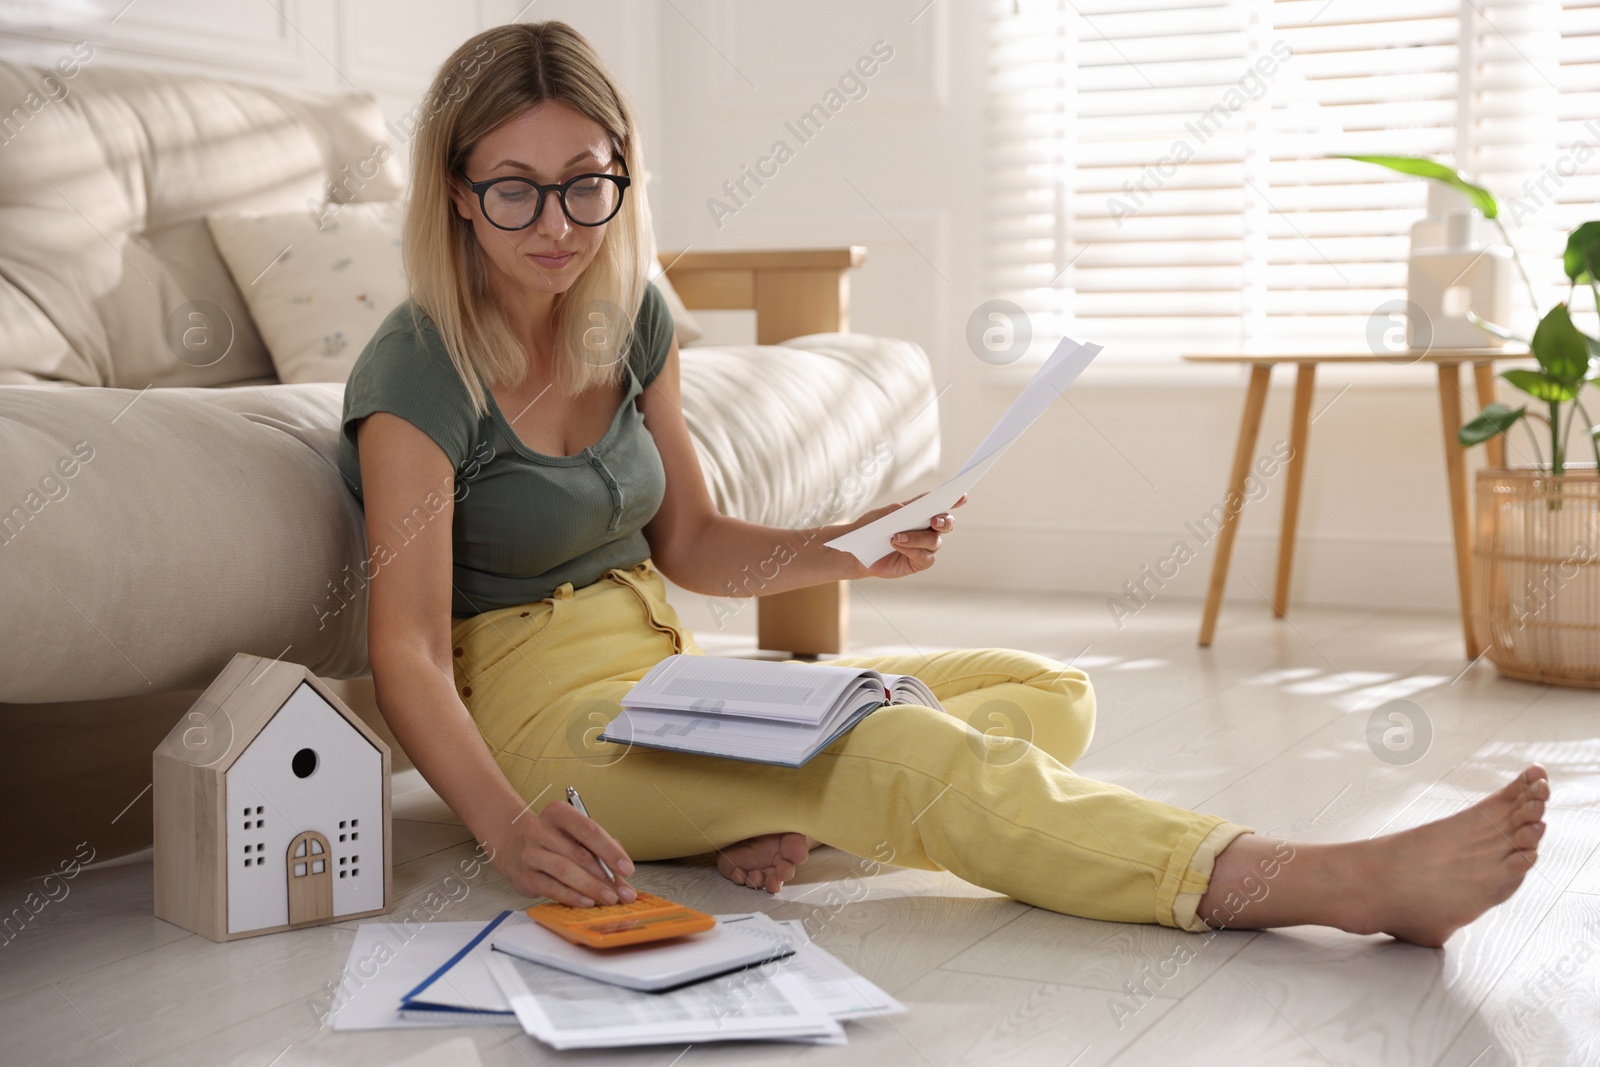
column 310, row 878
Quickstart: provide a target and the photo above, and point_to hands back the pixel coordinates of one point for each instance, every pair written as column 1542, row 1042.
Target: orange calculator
column 647, row 918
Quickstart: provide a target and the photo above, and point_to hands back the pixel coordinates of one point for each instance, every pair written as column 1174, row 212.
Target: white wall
column 1105, row 483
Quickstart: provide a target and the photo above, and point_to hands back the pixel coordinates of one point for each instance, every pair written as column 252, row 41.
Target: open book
column 759, row 710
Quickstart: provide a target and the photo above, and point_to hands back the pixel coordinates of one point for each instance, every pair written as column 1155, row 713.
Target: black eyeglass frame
column 622, row 181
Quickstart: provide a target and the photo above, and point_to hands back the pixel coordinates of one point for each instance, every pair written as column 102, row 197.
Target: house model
column 271, row 807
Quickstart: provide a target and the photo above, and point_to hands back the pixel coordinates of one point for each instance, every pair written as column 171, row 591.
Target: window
column 1159, row 171
column 1573, row 174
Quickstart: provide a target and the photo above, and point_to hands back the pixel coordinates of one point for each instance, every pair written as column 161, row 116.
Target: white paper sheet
column 388, row 960
column 467, row 986
column 872, row 542
column 843, row 993
column 567, row 1011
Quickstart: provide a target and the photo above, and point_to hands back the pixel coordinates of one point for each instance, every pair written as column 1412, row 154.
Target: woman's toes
column 1512, row 792
column 1530, row 785
column 794, row 848
column 772, row 860
column 1526, row 837
column 1531, row 811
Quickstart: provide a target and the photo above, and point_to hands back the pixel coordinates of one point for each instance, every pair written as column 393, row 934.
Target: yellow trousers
column 982, row 789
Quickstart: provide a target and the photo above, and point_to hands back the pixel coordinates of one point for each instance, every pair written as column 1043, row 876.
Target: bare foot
column 1419, row 885
column 1439, row 877
column 765, row 862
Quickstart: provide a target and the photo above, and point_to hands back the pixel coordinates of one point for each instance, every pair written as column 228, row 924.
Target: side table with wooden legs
column 1448, row 364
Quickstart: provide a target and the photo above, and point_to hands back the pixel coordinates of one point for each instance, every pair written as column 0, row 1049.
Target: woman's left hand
column 913, row 549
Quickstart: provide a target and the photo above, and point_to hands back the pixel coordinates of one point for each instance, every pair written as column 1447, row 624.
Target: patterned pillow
column 318, row 286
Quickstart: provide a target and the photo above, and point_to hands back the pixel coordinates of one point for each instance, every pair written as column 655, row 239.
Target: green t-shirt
column 524, row 522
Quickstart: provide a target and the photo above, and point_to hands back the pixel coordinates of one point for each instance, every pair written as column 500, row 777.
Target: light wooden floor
column 1267, row 728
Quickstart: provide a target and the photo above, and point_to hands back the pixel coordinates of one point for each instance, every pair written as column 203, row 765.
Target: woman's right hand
column 552, row 854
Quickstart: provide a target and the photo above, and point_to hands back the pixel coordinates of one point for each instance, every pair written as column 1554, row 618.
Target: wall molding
column 925, row 227
column 141, row 38
column 926, row 40
column 376, row 71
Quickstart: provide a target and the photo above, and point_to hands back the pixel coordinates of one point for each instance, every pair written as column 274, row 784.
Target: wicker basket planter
column 1536, row 575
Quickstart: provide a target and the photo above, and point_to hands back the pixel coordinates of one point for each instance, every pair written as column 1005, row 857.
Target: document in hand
column 871, row 542
column 758, row 710
column 652, row 967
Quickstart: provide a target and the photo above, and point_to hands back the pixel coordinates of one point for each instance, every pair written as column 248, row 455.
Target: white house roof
column 236, row 707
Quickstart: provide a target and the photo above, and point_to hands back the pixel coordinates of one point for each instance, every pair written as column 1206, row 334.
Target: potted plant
column 1536, row 579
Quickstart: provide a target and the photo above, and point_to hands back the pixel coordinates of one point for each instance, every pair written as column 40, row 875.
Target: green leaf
column 1560, row 347
column 1540, row 386
column 1496, row 419
column 1482, row 199
column 1583, row 252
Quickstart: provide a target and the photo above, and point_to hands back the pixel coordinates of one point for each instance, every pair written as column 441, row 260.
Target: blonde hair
column 488, row 80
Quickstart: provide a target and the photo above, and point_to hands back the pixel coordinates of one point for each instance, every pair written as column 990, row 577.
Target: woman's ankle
column 1262, row 882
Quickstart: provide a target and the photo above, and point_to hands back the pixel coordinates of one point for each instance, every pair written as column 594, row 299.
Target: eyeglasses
column 587, row 199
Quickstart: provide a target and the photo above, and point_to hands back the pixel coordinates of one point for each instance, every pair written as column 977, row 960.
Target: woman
column 517, row 440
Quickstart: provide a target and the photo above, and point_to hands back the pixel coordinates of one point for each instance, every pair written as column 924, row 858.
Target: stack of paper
column 801, row 997
column 652, row 967
column 445, row 974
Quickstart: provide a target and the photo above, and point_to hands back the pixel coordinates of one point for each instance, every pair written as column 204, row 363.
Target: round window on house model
column 304, row 763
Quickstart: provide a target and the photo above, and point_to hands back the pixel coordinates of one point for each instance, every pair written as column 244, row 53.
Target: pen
column 576, row 801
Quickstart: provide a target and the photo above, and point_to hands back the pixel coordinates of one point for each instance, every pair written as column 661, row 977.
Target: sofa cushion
column 196, row 523
column 319, row 284
column 810, row 432
column 103, row 192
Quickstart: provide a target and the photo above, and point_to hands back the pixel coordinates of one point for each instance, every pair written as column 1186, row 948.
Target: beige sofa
column 157, row 516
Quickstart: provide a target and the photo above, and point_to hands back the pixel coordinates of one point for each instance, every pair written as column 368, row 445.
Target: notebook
column 759, row 710
column 653, row 967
